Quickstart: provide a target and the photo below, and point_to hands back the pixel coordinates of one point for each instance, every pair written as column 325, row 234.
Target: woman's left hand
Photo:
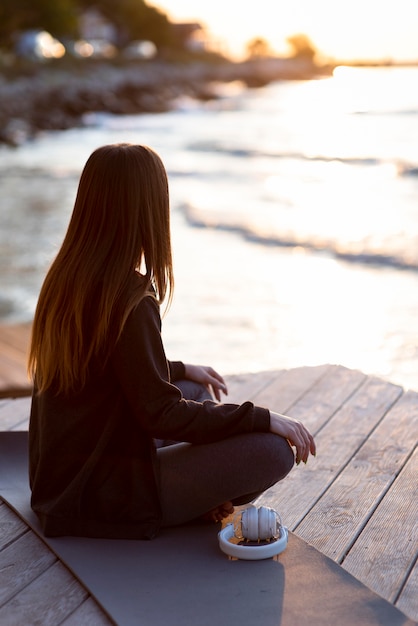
column 208, row 377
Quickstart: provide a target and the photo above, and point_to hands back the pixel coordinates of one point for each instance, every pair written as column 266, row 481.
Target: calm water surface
column 295, row 221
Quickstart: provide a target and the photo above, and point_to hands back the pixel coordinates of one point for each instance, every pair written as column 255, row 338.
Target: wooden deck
column 14, row 342
column 35, row 588
column 357, row 501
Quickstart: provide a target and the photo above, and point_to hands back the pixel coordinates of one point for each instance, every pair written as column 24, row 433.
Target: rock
column 54, row 98
column 15, row 132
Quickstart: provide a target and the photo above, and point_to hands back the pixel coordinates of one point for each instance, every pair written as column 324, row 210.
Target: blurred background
column 290, row 136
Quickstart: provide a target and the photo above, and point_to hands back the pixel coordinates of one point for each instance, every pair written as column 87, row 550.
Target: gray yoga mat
column 183, row 579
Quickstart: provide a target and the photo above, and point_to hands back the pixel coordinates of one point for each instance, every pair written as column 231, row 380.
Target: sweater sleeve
column 177, row 370
column 141, row 366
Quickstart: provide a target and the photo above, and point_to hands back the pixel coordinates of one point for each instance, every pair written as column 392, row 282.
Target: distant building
column 94, row 26
column 190, row 35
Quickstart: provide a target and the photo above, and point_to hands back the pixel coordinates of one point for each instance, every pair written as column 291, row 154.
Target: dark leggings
column 195, row 479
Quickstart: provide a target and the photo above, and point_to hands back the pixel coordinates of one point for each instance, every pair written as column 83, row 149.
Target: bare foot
column 219, row 513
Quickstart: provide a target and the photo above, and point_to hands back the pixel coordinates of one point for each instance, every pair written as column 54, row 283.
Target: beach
column 35, row 98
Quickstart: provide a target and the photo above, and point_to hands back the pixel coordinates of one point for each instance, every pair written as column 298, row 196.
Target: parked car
column 140, row 50
column 39, row 45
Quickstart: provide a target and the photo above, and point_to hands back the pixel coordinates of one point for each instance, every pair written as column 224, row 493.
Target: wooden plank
column 11, row 526
column 388, row 547
column 14, row 344
column 14, row 390
column 13, row 369
column 47, row 600
column 243, row 387
column 23, row 558
column 14, row 385
column 408, row 599
column 88, row 613
column 13, row 352
column 21, row 563
column 16, row 335
column 11, row 358
column 323, row 399
column 301, row 392
column 14, row 414
column 282, row 392
column 340, row 516
column 335, row 522
column 337, row 442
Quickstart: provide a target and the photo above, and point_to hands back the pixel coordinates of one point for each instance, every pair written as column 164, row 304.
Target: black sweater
column 92, row 459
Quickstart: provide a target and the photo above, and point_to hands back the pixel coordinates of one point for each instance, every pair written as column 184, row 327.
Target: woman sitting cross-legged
column 106, row 400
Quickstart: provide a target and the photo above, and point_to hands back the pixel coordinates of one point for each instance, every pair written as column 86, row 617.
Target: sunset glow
column 360, row 29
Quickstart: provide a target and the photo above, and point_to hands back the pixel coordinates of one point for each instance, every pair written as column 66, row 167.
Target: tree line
column 134, row 19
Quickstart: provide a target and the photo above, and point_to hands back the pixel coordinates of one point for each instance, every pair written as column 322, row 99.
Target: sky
column 342, row 29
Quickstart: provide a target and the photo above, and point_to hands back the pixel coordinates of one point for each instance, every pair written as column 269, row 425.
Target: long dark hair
column 116, row 250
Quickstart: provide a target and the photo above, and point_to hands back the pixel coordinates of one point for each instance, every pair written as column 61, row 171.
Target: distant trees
column 59, row 17
column 302, row 47
column 134, row 19
column 258, row 47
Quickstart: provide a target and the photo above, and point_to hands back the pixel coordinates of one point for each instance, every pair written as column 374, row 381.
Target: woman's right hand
column 296, row 433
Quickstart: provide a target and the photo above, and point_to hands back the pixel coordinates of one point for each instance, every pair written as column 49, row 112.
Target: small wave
column 218, row 147
column 334, row 249
column 388, row 112
column 407, row 169
column 402, row 168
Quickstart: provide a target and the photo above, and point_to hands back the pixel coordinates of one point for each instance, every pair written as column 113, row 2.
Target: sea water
column 294, row 221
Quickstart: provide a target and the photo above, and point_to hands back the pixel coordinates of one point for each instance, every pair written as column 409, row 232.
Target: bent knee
column 288, row 457
column 276, row 455
column 283, row 456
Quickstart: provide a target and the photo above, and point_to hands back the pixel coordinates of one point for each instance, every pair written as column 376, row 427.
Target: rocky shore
column 57, row 98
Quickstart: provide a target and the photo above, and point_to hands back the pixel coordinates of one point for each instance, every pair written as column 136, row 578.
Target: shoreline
column 57, row 97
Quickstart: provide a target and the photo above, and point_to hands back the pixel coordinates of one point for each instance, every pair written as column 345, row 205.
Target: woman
column 104, row 392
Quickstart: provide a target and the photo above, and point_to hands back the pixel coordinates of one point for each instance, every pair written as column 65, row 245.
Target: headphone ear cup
column 264, row 523
column 273, row 523
column 249, row 523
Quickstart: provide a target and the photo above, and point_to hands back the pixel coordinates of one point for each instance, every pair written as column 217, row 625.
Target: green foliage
column 58, row 17
column 135, row 19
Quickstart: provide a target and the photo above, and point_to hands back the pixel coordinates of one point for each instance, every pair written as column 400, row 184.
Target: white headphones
column 259, row 532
